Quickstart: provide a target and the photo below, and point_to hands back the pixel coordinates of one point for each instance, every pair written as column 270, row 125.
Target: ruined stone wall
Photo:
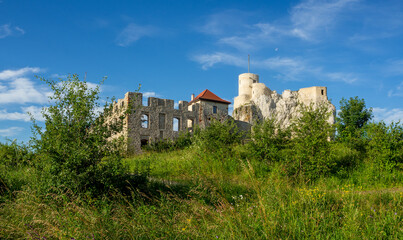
column 156, row 121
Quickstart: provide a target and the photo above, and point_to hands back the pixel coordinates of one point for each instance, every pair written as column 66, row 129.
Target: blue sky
column 176, row 48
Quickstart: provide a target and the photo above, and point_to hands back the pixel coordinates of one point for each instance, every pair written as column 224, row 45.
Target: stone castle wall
column 159, row 120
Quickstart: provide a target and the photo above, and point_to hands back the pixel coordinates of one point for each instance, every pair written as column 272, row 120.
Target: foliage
column 267, row 139
column 217, row 135
column 353, row 116
column 385, row 146
column 14, row 154
column 74, row 148
column 311, row 143
column 183, row 141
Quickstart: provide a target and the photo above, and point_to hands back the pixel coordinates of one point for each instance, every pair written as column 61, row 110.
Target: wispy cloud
column 7, row 30
column 151, row 94
column 394, row 67
column 209, row 60
column 11, row 131
column 35, row 111
column 133, row 32
column 388, row 115
column 312, row 17
column 307, row 21
column 289, row 69
column 16, row 87
column 397, row 92
column 9, row 74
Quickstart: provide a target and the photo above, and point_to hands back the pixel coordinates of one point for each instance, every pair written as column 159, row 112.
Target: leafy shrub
column 385, row 145
column 351, row 120
column 13, row 154
column 183, row 141
column 344, row 158
column 75, row 149
column 311, row 143
column 217, row 135
column 267, row 139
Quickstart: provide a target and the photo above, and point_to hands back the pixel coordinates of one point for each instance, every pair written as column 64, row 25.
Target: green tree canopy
column 74, row 149
column 352, row 118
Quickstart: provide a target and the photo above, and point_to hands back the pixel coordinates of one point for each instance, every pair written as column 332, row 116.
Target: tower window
column 322, row 91
column 214, row 109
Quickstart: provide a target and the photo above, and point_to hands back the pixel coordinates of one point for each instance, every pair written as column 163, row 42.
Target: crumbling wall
column 153, row 122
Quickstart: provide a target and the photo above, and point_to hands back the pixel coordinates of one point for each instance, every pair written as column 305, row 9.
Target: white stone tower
column 245, row 82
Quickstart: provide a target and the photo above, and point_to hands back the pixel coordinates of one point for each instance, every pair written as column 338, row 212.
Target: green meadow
column 312, row 180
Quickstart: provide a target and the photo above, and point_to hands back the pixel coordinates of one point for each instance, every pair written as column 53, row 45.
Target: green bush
column 75, row 150
column 311, row 143
column 385, row 145
column 13, row 154
column 183, row 141
column 217, row 136
column 267, row 139
column 351, row 120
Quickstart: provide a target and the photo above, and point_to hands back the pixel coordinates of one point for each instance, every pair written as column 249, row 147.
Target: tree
column 351, row 119
column 311, row 134
column 74, row 148
column 268, row 139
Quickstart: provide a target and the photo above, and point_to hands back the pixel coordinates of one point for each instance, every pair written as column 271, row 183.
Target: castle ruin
column 159, row 120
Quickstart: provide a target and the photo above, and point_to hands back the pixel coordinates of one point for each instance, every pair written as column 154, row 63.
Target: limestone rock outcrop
column 257, row 102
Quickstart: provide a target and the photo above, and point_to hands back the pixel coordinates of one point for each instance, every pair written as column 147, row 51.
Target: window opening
column 144, row 121
column 322, row 91
column 176, row 124
column 162, row 120
column 214, row 109
column 190, row 125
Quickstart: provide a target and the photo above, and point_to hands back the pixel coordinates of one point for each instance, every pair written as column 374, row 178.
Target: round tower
column 245, row 88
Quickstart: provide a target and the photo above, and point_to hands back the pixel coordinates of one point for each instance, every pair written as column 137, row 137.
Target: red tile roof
column 209, row 96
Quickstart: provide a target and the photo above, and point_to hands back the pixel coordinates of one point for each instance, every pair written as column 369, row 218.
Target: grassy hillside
column 306, row 182
column 193, row 196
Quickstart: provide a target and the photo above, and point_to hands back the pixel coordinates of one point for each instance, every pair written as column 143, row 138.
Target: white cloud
column 16, row 87
column 134, row 32
column 6, row 30
column 388, row 115
column 10, row 74
column 22, row 90
column 397, row 92
column 35, row 111
column 222, row 22
column 12, row 131
column 313, row 16
column 308, row 21
column 150, row 94
column 290, row 69
column 209, row 60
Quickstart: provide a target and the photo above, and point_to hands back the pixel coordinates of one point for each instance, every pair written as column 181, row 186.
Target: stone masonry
column 160, row 120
